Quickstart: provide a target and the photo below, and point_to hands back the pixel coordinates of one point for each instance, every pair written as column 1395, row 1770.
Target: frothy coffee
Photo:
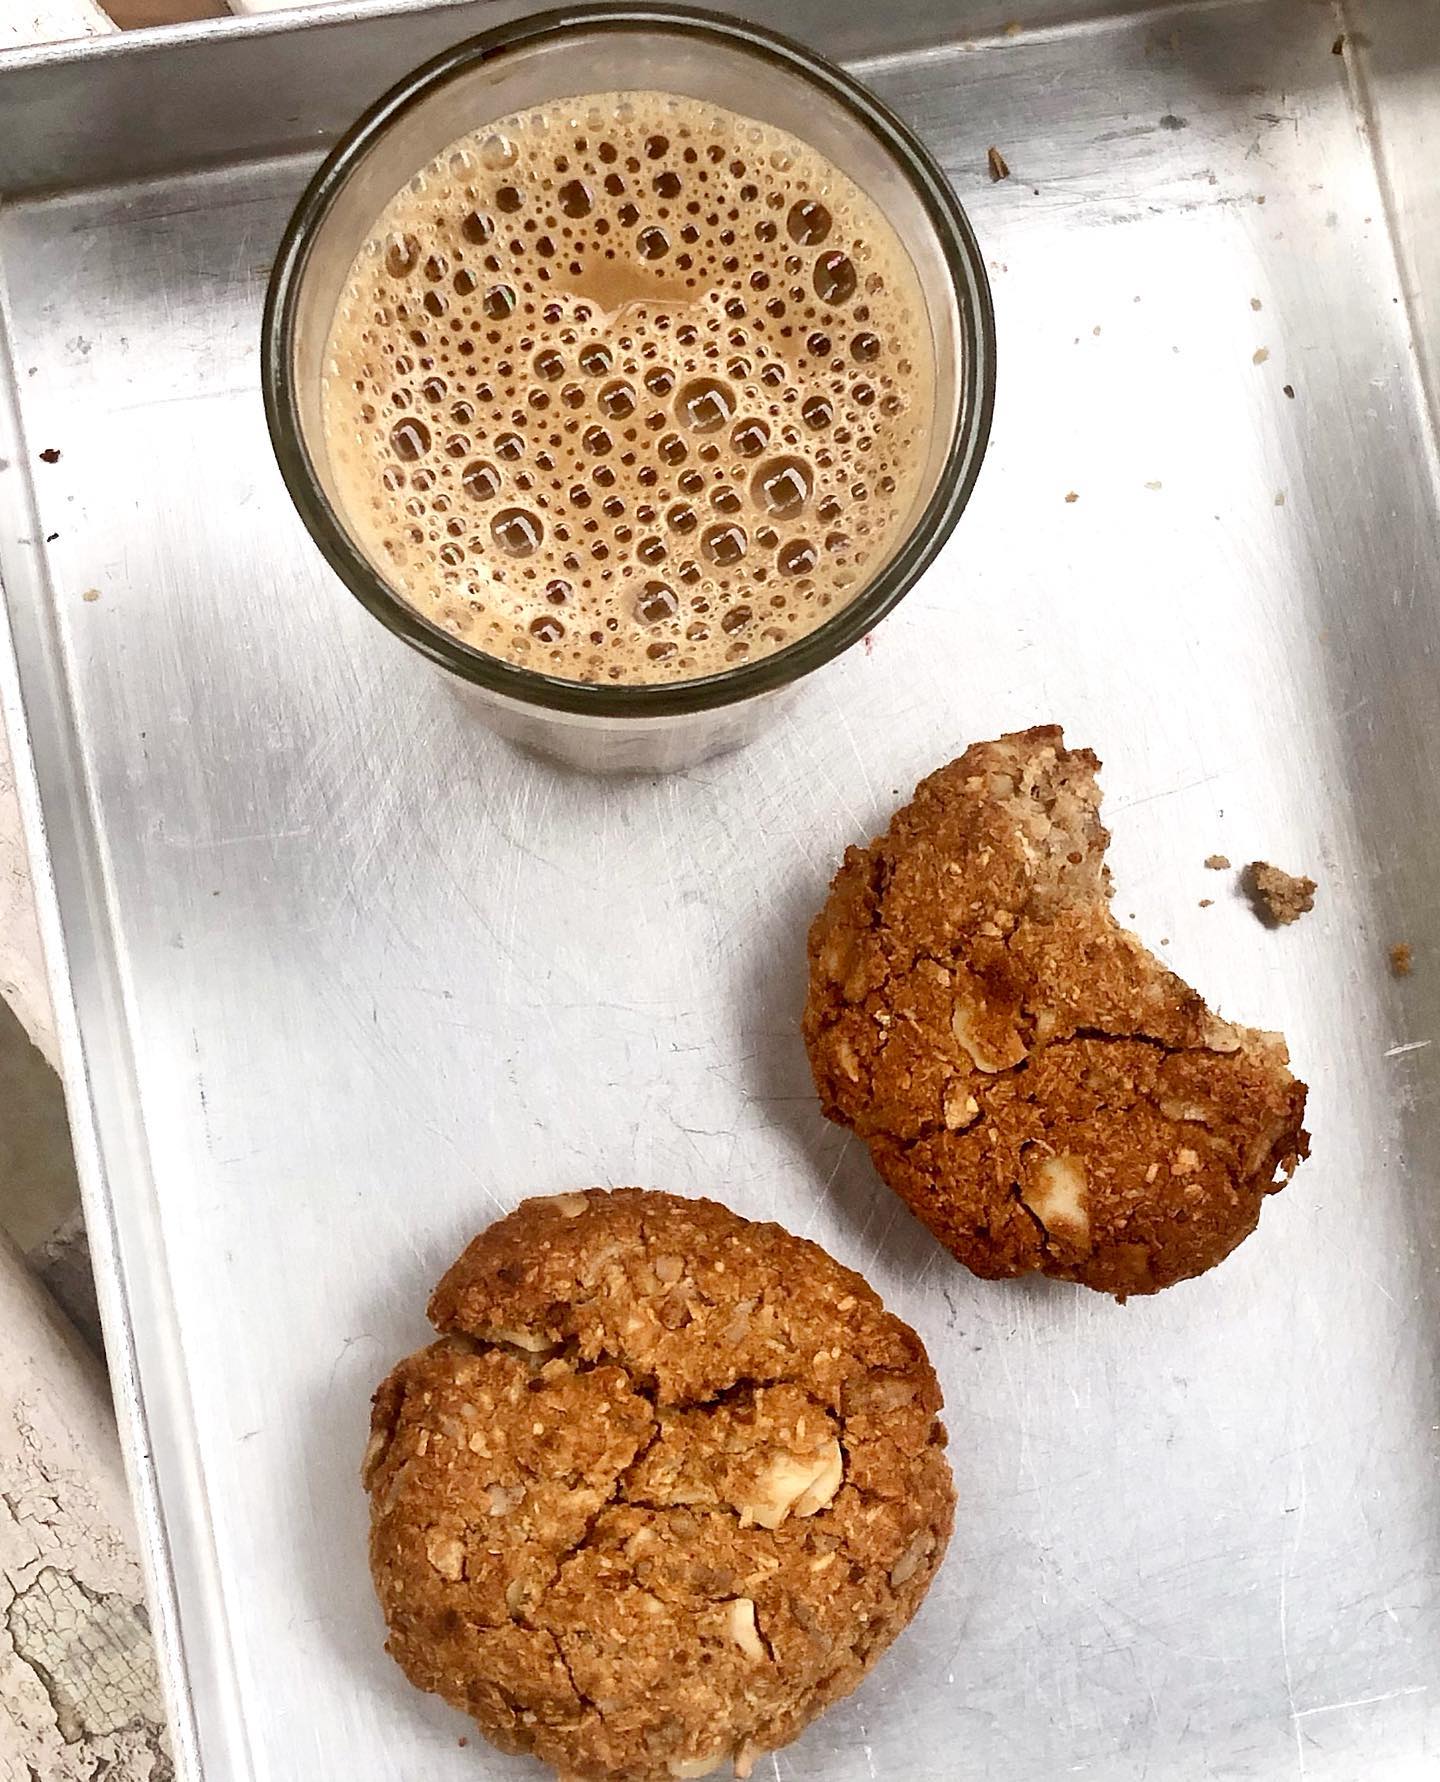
column 630, row 388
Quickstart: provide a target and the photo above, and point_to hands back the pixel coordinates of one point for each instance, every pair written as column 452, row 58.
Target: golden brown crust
column 668, row 1485
column 1033, row 1083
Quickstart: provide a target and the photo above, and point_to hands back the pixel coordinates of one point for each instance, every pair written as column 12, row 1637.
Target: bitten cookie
column 1042, row 1092
column 668, row 1485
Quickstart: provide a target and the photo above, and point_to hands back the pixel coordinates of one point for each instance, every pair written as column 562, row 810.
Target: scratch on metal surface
column 862, row 756
column 886, row 1227
column 1008, row 36
column 151, row 402
column 820, row 758
column 1352, row 1265
column 1285, row 1568
column 820, row 1199
column 347, row 1344
column 449, row 1139
column 1170, row 791
column 1407, row 1046
column 925, row 1267
column 245, row 836
column 1363, row 1701
column 1025, row 1467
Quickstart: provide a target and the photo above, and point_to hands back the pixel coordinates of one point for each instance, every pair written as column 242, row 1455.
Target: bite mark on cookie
column 975, row 1009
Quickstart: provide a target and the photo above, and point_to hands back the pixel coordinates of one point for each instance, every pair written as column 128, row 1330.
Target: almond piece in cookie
column 1037, row 1087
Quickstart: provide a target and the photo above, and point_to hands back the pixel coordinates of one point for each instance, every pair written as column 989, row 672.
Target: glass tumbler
column 606, row 48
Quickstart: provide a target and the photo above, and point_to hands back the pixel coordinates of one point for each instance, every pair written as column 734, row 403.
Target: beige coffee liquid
column 629, row 389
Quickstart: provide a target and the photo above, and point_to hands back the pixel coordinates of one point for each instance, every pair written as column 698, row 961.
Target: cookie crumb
column 1338, row 47
column 1260, row 355
column 1072, row 497
column 1205, row 902
column 1402, row 959
column 50, row 455
column 1218, row 862
column 1289, row 390
column 91, row 594
column 1279, row 897
column 1255, row 303
column 998, row 165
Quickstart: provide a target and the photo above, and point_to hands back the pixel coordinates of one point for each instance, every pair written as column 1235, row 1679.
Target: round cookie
column 1038, row 1088
column 668, row 1485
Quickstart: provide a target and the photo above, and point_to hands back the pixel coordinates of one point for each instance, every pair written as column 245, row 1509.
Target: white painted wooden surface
column 77, row 1674
column 48, row 21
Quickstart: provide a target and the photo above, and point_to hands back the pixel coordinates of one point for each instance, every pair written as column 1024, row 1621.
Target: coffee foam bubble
column 629, row 389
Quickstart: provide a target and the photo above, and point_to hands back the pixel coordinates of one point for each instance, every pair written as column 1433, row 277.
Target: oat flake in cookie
column 1038, row 1088
column 667, row 1486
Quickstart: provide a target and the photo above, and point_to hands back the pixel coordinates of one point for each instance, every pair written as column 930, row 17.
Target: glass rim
column 747, row 680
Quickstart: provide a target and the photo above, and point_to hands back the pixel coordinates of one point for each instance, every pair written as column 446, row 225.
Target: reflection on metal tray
column 342, row 976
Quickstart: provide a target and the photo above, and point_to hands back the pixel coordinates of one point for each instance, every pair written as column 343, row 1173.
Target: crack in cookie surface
column 980, row 1019
column 668, row 1483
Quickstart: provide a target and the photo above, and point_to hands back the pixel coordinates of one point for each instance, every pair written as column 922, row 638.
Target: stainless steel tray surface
column 342, row 976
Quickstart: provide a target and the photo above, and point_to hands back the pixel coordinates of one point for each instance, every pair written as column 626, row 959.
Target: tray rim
column 47, row 677
column 97, row 1202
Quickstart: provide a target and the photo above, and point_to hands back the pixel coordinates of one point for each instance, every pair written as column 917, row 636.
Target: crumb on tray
column 1279, row 897
column 1402, row 959
column 1218, row 862
column 998, row 165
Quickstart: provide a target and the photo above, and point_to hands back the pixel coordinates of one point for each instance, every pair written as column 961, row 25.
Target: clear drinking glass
column 607, row 49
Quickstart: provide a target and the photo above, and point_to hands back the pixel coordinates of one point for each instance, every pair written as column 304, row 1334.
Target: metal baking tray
column 340, row 976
